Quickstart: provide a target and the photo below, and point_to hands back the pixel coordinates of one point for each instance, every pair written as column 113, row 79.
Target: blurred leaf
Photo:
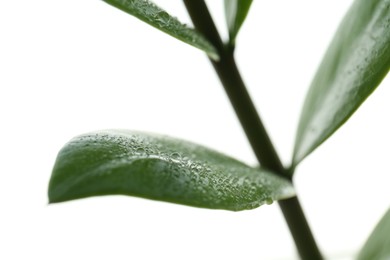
column 235, row 13
column 377, row 246
column 355, row 63
column 160, row 168
column 158, row 18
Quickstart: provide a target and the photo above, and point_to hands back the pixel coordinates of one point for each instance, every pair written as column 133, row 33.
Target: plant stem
column 254, row 129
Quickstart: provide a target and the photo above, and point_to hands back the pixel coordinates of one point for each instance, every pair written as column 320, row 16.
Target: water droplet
column 195, row 168
column 140, row 150
column 175, row 156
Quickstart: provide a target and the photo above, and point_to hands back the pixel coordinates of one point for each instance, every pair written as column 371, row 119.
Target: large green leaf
column 377, row 246
column 235, row 13
column 160, row 19
column 160, row 168
column 354, row 65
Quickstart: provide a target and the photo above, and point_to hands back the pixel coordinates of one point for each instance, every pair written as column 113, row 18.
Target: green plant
column 162, row 168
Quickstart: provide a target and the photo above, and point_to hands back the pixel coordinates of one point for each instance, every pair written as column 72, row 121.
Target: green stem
column 254, row 129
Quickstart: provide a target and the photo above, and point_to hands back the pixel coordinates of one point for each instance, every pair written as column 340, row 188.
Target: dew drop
column 195, row 168
column 140, row 150
column 175, row 156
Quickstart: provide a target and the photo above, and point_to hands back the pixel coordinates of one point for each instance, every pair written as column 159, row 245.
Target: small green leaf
column 235, row 13
column 160, row 168
column 160, row 19
column 355, row 63
column 377, row 246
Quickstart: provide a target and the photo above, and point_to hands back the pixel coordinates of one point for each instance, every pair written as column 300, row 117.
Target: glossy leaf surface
column 355, row 63
column 160, row 19
column 377, row 246
column 235, row 13
column 160, row 168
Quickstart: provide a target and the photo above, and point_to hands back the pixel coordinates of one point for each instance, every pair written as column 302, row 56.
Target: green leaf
column 160, row 19
column 377, row 246
column 235, row 13
column 160, row 168
column 355, row 63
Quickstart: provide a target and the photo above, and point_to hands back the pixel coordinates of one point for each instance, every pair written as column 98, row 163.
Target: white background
column 69, row 67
